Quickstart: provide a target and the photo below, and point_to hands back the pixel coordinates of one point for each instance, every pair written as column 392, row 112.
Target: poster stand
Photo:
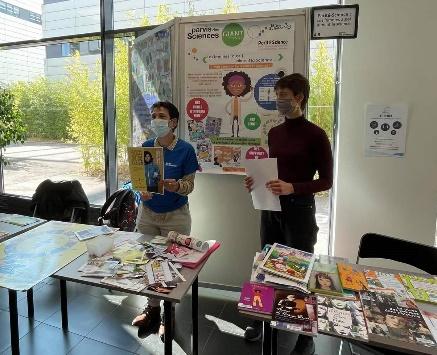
column 222, row 77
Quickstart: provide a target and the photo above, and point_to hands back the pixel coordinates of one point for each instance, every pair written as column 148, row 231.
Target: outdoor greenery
column 71, row 110
column 322, row 81
column 44, row 108
column 12, row 127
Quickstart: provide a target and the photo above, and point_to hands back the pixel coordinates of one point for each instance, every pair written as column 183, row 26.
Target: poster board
column 227, row 67
column 151, row 77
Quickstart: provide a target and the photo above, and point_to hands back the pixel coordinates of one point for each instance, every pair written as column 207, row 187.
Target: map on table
column 37, row 254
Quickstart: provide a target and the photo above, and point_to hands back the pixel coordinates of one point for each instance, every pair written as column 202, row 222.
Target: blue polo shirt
column 178, row 162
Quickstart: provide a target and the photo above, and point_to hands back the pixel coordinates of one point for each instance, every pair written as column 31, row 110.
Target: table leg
column 267, row 339
column 13, row 319
column 195, row 314
column 30, row 308
column 168, row 323
column 274, row 341
column 64, row 308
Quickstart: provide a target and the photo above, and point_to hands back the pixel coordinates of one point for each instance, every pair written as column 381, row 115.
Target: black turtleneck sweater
column 302, row 148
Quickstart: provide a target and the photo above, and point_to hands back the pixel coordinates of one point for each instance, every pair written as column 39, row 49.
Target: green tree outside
column 322, row 82
column 12, row 126
column 44, row 108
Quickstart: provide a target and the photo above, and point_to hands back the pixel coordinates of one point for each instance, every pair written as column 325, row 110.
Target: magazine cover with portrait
column 390, row 316
column 341, row 317
column 146, row 168
column 324, row 279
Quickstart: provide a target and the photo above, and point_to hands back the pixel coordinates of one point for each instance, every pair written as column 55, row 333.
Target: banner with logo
column 230, row 72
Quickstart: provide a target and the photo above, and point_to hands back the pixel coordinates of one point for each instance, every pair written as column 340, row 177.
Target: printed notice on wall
column 334, row 21
column 230, row 104
column 386, row 130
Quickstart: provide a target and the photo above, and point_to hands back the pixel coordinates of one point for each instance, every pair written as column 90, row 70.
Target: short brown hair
column 298, row 84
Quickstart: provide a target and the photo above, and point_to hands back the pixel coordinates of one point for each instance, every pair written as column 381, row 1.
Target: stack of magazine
column 283, row 266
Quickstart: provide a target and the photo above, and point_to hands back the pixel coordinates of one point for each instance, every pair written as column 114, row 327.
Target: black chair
column 59, row 201
column 421, row 256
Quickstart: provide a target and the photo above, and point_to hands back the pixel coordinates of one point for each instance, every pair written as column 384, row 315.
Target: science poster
column 229, row 102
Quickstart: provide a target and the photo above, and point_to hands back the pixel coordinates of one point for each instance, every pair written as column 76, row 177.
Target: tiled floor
column 99, row 323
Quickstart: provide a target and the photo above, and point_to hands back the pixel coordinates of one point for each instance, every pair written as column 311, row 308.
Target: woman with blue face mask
column 302, row 149
column 160, row 214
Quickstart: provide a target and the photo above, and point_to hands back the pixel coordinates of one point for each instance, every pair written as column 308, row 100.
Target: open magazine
column 188, row 257
column 146, row 168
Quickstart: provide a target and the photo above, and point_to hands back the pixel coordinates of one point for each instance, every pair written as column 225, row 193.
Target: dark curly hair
column 246, row 78
column 146, row 152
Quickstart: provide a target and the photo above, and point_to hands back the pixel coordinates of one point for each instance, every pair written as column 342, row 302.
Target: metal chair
column 421, row 256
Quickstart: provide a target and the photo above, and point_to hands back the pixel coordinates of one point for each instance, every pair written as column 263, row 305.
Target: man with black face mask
column 302, row 149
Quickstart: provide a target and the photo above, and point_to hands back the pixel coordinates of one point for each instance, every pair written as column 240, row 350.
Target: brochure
column 93, row 232
column 146, row 168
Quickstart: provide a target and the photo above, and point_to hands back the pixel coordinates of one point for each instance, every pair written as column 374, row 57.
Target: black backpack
column 119, row 211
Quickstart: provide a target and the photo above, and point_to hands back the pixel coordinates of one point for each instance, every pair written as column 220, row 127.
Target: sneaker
column 304, row 346
column 148, row 322
column 253, row 332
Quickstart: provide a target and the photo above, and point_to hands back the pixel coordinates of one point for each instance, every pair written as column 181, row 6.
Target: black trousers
column 294, row 226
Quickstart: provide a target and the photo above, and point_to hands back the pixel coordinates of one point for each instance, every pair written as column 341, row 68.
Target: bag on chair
column 120, row 211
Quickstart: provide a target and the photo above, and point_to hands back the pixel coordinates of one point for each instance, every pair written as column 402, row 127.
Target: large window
column 58, row 87
column 61, row 105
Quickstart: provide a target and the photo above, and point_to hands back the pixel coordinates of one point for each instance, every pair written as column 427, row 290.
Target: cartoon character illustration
column 257, row 298
column 236, row 85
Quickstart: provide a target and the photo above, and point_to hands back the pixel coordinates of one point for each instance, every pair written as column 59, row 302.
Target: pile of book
column 302, row 293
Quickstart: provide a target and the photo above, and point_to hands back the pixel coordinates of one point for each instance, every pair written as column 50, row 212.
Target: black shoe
column 304, row 346
column 253, row 332
column 148, row 322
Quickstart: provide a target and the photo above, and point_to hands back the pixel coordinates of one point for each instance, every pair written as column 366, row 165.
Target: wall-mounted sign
column 336, row 21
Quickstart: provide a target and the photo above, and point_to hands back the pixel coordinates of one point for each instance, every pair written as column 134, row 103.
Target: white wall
column 394, row 59
column 221, row 209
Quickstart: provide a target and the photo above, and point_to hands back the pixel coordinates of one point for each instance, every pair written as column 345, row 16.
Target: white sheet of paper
column 263, row 170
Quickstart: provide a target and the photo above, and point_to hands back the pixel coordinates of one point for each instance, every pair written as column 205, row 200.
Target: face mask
column 160, row 127
column 285, row 106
